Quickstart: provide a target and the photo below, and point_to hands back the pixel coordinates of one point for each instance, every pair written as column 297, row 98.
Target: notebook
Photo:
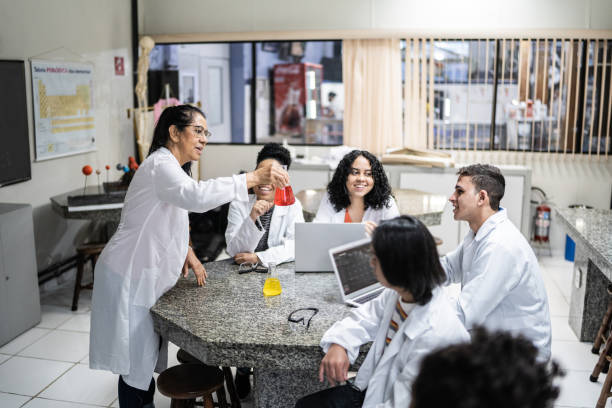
column 313, row 241
column 351, row 263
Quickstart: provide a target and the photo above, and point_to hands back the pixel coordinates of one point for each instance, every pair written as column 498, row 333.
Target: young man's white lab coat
column 327, row 213
column 501, row 284
column 387, row 374
column 242, row 235
column 144, row 259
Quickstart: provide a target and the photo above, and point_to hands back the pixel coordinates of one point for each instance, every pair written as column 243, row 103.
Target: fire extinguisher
column 542, row 223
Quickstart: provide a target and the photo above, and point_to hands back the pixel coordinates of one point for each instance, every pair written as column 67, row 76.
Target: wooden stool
column 605, row 388
column 185, row 358
column 186, row 382
column 603, row 336
column 85, row 252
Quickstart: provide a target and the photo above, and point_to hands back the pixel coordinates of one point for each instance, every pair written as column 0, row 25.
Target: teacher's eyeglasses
column 201, row 131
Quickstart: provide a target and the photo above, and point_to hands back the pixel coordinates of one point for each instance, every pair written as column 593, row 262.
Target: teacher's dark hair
column 408, row 256
column 179, row 116
column 378, row 197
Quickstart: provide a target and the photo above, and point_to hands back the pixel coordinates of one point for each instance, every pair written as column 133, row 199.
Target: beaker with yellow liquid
column 272, row 286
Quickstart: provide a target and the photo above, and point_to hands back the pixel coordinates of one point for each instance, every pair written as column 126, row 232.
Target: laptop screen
column 354, row 269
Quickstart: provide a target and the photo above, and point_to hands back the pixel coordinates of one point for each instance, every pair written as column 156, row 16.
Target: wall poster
column 62, row 94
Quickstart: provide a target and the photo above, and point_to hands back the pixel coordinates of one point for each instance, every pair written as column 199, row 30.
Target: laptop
column 313, row 241
column 355, row 275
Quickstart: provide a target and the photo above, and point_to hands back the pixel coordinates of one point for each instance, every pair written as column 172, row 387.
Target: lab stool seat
column 85, row 252
column 185, row 358
column 186, row 382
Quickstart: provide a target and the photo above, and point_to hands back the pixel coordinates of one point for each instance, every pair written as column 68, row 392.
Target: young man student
column 408, row 320
column 501, row 285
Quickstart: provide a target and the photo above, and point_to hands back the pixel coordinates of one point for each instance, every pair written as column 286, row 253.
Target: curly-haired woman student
column 358, row 192
column 409, row 319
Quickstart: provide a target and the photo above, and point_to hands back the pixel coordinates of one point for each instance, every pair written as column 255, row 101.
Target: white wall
column 210, row 16
column 97, row 31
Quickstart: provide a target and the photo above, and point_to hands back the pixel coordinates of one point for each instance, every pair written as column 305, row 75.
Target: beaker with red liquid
column 284, row 196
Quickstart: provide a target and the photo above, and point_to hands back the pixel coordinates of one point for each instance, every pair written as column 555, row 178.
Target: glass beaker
column 284, row 196
column 272, row 286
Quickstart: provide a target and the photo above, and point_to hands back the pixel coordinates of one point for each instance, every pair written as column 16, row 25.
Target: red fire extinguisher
column 542, row 223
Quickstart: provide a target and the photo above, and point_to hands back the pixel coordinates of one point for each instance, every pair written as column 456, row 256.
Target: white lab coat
column 327, row 213
column 388, row 376
column 501, row 284
column 144, row 259
column 242, row 235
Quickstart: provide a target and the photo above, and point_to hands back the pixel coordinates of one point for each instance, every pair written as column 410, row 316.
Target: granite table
column 591, row 230
column 229, row 322
column 426, row 207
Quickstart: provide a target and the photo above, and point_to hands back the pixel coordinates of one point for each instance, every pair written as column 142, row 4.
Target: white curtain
column 371, row 71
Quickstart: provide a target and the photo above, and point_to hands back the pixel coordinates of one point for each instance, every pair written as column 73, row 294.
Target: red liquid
column 284, row 196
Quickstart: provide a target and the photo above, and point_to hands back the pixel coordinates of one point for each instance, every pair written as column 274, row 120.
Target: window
column 537, row 95
column 298, row 92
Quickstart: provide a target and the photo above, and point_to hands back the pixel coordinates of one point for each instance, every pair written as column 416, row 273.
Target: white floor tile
column 24, row 340
column 79, row 323
column 53, row 316
column 28, row 376
column 82, row 385
column 574, row 355
column 557, row 303
column 48, row 403
column 85, row 360
column 578, row 391
column 561, row 329
column 4, row 357
column 12, row 400
column 60, row 345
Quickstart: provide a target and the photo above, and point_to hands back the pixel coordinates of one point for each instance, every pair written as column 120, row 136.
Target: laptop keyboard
column 368, row 297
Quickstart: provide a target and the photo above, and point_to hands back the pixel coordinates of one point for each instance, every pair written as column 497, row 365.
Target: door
column 215, row 95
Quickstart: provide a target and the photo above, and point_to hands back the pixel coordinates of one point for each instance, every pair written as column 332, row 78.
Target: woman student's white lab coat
column 144, row 259
column 327, row 212
column 242, row 235
column 387, row 375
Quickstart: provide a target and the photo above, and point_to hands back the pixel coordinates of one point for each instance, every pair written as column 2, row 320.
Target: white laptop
column 355, row 275
column 313, row 241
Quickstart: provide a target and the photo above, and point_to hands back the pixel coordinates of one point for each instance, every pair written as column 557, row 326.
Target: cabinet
column 19, row 297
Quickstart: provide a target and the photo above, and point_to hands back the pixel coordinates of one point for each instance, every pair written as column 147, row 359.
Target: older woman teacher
column 146, row 255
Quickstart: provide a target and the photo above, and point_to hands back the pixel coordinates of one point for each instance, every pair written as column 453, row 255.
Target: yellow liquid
column 272, row 287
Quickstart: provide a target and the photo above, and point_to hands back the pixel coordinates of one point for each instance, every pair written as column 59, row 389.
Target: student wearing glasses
column 408, row 320
column 358, row 192
column 259, row 232
column 147, row 254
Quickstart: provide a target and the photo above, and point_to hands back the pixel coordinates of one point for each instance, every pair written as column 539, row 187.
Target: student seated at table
column 358, row 192
column 409, row 319
column 259, row 231
column 501, row 283
column 494, row 370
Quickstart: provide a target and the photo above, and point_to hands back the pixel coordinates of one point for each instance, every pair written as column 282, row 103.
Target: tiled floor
column 47, row 366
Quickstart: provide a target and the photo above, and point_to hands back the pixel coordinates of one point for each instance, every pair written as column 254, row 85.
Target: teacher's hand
column 194, row 263
column 272, row 174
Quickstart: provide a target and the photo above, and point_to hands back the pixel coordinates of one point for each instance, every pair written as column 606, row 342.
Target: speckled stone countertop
column 59, row 203
column 426, row 207
column 592, row 228
column 229, row 321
